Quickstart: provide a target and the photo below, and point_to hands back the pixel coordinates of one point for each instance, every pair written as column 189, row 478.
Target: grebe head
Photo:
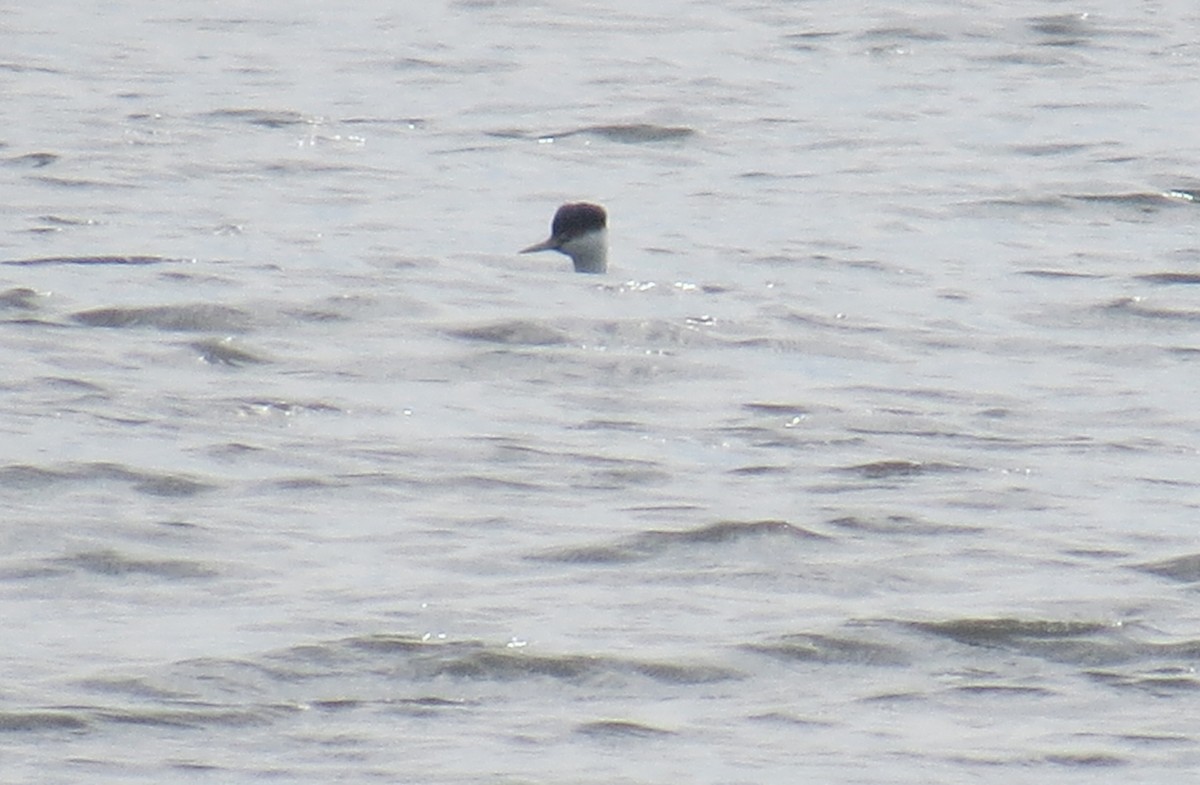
column 580, row 230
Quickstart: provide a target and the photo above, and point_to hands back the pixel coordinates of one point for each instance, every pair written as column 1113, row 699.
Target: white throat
column 588, row 251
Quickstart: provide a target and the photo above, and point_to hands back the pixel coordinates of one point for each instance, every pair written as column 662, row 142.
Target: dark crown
column 577, row 218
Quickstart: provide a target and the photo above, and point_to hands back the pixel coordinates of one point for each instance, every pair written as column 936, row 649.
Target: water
column 872, row 459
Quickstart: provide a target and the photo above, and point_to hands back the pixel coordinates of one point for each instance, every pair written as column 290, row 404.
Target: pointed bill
column 549, row 244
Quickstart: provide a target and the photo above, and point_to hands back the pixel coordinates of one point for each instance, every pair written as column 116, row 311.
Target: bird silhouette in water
column 579, row 230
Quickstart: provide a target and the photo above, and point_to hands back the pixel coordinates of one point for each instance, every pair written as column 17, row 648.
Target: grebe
column 580, row 231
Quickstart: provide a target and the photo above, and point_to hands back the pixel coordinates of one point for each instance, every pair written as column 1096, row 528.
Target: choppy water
column 872, row 459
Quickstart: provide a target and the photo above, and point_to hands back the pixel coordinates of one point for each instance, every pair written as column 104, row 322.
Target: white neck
column 589, row 251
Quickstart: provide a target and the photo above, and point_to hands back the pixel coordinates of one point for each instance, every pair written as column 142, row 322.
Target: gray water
column 873, row 459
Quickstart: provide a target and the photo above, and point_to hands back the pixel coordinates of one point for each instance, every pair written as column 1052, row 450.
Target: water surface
column 872, row 459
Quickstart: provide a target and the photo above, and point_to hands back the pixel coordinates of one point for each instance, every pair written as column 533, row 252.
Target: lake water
column 872, row 459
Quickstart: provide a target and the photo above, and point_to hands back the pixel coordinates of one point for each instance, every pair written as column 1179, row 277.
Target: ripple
column 200, row 317
column 620, row 729
column 807, row 647
column 11, row 721
column 1007, row 630
column 112, row 562
column 1134, row 306
column 268, row 118
column 1143, row 201
column 636, row 133
column 1169, row 278
column 28, row 477
column 1077, row 642
column 879, row 470
column 1059, row 274
column 31, row 160
column 650, row 544
column 221, row 351
column 1063, row 29
column 513, row 332
column 621, row 133
column 1181, row 568
column 18, row 299
column 93, row 261
column 1160, row 682
column 1084, row 759
column 190, row 717
column 425, row 659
